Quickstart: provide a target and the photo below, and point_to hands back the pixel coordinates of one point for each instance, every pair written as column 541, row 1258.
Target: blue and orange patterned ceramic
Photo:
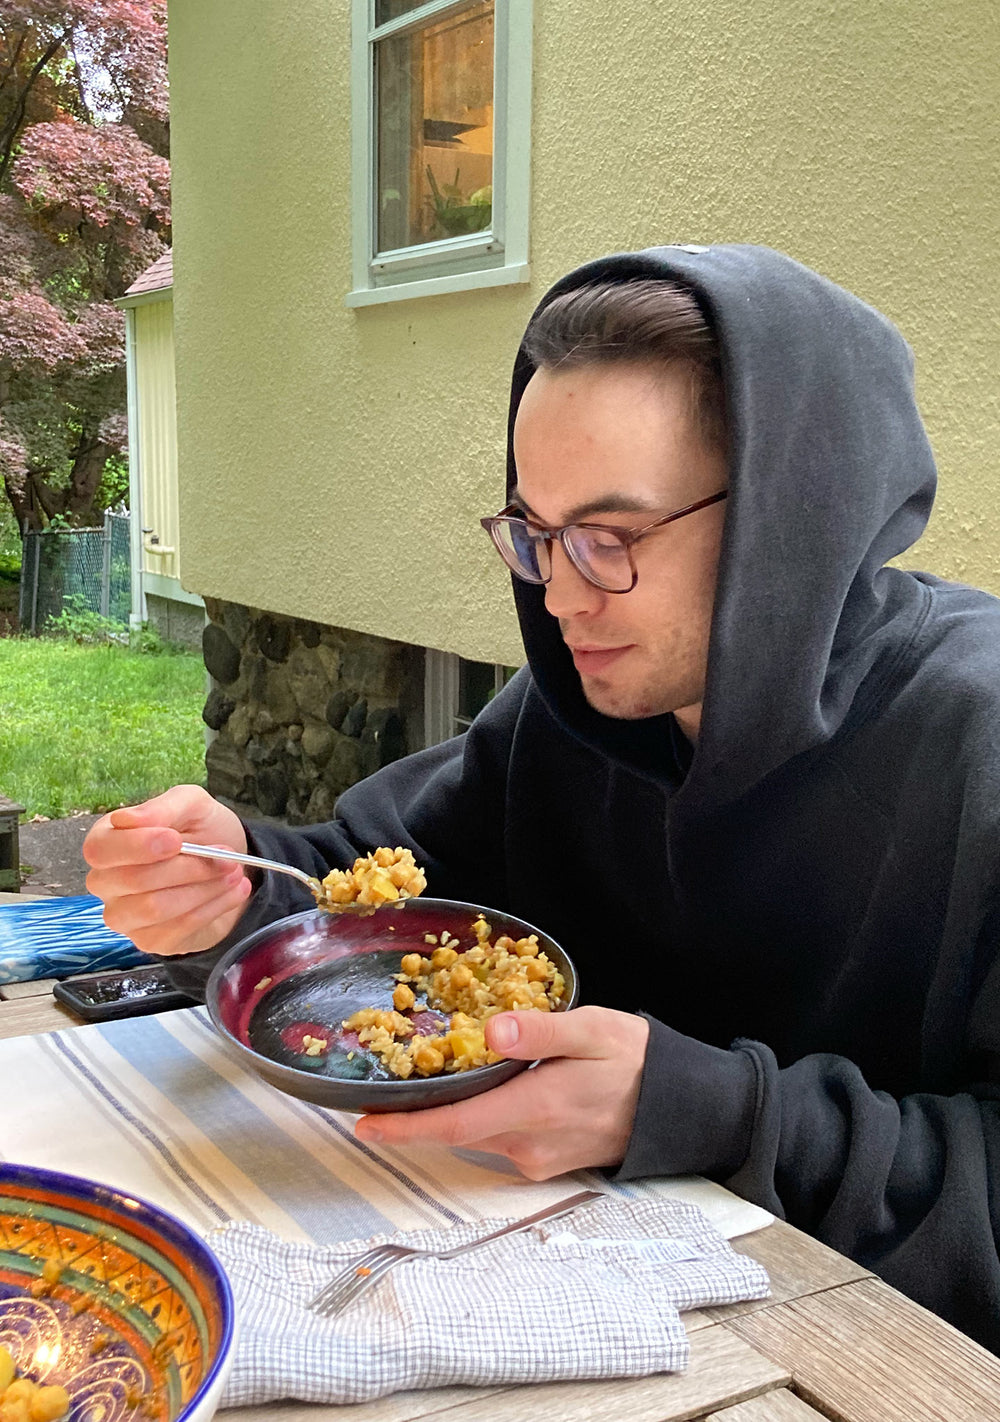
column 138, row 1326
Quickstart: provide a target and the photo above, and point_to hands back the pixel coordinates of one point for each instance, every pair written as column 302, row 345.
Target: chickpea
column 526, row 947
column 403, row 998
column 411, row 965
column 428, row 1059
column 461, row 975
column 49, row 1403
column 337, row 887
column 535, row 971
column 443, row 957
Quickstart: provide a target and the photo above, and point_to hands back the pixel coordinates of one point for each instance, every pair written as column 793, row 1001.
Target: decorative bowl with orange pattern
column 117, row 1301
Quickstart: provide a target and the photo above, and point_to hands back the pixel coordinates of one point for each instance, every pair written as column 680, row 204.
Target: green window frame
column 495, row 256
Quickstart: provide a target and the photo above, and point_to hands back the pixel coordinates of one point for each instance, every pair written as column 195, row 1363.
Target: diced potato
column 379, row 889
column 465, row 1042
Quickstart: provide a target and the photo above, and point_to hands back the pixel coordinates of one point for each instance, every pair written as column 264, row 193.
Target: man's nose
column 568, row 594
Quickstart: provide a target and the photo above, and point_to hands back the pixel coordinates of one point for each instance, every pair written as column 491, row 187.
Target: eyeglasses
column 600, row 552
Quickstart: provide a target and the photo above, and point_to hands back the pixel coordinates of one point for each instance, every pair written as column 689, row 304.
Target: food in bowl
column 470, row 985
column 306, row 974
column 108, row 1300
column 22, row 1400
column 382, row 877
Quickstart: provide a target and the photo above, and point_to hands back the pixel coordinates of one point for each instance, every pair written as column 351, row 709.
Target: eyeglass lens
column 598, row 555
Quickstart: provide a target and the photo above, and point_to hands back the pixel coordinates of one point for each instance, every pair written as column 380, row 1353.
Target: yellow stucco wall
column 333, row 462
column 154, row 370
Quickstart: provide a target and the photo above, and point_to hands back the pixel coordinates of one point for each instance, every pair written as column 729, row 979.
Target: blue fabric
column 58, row 938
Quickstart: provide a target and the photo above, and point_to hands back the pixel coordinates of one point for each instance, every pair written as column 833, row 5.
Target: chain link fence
column 92, row 563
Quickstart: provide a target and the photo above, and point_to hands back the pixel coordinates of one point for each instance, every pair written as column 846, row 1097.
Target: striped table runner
column 156, row 1107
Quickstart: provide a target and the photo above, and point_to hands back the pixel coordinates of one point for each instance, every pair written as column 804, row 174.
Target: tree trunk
column 35, row 501
column 88, row 466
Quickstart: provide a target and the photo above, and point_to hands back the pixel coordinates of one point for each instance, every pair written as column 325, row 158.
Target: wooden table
column 832, row 1344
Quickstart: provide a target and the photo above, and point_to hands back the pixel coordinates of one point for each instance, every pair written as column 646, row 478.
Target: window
column 455, row 691
column 440, row 148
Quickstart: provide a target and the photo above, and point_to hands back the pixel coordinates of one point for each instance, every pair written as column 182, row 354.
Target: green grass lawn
column 92, row 727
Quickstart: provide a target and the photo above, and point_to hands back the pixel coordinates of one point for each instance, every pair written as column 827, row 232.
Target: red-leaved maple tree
column 84, row 208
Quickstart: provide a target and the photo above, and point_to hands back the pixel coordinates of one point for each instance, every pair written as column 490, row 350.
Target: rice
column 471, row 986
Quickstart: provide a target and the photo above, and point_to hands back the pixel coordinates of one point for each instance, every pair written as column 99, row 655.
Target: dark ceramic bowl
column 306, row 974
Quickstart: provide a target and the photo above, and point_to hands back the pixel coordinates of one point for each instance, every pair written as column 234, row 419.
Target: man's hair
column 640, row 322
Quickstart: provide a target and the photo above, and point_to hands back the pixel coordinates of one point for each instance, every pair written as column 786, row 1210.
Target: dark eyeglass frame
column 627, row 537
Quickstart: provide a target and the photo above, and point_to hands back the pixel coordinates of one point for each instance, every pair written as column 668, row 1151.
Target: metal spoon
column 206, row 851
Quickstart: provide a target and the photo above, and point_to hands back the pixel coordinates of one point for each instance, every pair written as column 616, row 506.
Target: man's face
column 617, row 445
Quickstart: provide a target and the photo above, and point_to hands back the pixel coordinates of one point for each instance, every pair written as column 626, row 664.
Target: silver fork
column 371, row 1267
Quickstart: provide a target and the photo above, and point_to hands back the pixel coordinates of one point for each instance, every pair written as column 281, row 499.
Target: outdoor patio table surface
column 155, row 1106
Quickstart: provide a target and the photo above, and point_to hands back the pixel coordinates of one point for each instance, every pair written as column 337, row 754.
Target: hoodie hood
column 830, row 475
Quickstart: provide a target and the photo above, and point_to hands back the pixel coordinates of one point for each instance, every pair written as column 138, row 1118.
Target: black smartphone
column 132, row 992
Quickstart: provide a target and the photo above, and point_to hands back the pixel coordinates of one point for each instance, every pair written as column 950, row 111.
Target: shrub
column 80, row 622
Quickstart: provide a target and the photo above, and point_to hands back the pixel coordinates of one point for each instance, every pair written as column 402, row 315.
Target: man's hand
column 573, row 1110
column 168, row 902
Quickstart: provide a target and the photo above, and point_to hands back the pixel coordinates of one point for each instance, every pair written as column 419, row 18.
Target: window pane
column 386, row 10
column 476, row 687
column 435, row 130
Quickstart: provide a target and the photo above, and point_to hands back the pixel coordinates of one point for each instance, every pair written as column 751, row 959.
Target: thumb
column 133, row 817
column 173, row 808
column 530, row 1035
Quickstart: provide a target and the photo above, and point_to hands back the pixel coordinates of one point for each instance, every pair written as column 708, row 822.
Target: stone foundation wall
column 176, row 621
column 302, row 711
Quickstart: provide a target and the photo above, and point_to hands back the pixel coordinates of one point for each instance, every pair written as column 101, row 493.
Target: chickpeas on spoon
column 382, row 877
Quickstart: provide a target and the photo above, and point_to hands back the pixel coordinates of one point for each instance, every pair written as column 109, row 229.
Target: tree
column 84, row 208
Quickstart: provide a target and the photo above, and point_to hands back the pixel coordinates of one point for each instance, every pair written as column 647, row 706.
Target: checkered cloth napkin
column 596, row 1294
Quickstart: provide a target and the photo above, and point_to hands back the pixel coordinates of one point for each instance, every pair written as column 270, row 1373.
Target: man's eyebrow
column 607, row 504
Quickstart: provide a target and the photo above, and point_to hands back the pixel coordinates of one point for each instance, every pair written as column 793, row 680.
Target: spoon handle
column 206, row 851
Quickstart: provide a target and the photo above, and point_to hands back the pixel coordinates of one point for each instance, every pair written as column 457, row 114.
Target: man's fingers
column 145, row 877
column 506, row 1108
column 136, row 912
column 107, row 847
column 530, row 1035
column 200, row 927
